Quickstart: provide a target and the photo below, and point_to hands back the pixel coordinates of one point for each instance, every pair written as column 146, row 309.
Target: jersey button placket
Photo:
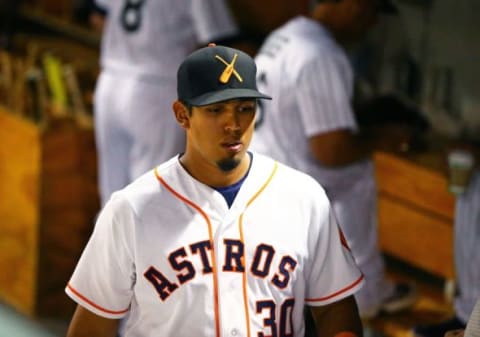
column 230, row 284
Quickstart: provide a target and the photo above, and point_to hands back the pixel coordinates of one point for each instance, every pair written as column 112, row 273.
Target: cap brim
column 226, row 95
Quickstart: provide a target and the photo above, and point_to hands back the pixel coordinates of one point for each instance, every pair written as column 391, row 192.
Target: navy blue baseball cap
column 215, row 74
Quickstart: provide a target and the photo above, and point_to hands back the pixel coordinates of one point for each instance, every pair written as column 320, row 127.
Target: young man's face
column 219, row 134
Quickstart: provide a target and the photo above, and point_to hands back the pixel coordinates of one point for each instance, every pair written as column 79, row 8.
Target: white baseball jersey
column 467, row 248
column 168, row 251
column 143, row 44
column 310, row 80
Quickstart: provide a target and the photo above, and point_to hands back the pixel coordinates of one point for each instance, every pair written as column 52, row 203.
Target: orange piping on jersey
column 83, row 298
column 240, row 229
column 336, row 293
column 342, row 238
column 212, row 252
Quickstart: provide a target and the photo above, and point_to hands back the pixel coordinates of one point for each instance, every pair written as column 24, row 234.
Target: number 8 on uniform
column 131, row 17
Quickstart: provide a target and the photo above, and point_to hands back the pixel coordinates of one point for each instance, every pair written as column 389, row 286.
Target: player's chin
column 230, row 160
column 228, row 164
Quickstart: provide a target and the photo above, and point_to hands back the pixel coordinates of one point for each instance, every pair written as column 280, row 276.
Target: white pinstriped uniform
column 473, row 326
column 467, row 248
column 168, row 251
column 310, row 80
column 134, row 123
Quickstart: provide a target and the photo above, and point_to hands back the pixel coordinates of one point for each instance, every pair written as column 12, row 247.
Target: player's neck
column 210, row 174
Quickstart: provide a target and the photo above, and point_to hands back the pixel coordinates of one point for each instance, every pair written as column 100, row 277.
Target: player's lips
column 234, row 146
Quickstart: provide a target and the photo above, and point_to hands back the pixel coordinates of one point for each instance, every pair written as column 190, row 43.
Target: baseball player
column 142, row 45
column 216, row 241
column 467, row 261
column 311, row 127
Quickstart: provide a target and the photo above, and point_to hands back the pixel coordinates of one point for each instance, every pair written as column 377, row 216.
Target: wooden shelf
column 20, row 181
column 61, row 26
column 49, row 176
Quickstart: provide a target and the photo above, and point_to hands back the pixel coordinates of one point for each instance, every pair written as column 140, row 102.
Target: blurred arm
column 87, row 324
column 340, row 147
column 343, row 147
column 338, row 318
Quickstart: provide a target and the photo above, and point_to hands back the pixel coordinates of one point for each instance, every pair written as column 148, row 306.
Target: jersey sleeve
column 212, row 20
column 324, row 95
column 104, row 276
column 333, row 273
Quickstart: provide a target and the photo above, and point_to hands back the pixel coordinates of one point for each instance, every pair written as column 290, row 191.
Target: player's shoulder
column 289, row 186
column 147, row 188
column 299, row 42
column 289, row 178
column 309, row 35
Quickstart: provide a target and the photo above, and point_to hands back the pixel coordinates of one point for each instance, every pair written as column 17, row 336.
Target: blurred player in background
column 311, row 126
column 143, row 43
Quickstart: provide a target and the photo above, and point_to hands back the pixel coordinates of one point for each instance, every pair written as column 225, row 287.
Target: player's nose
column 231, row 121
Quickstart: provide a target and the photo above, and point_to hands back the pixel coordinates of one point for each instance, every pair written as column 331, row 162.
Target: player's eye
column 215, row 109
column 247, row 107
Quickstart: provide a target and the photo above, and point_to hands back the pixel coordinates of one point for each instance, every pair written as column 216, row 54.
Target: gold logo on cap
column 229, row 70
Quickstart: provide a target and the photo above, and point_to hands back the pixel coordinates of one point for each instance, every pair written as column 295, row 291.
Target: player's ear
column 182, row 115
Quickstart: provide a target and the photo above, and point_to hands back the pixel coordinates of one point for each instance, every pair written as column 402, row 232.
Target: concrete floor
column 14, row 324
column 432, row 306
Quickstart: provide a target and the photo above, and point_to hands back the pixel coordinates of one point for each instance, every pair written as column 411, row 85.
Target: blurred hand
column 392, row 137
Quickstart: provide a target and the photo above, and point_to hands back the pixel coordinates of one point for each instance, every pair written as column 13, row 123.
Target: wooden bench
column 416, row 211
